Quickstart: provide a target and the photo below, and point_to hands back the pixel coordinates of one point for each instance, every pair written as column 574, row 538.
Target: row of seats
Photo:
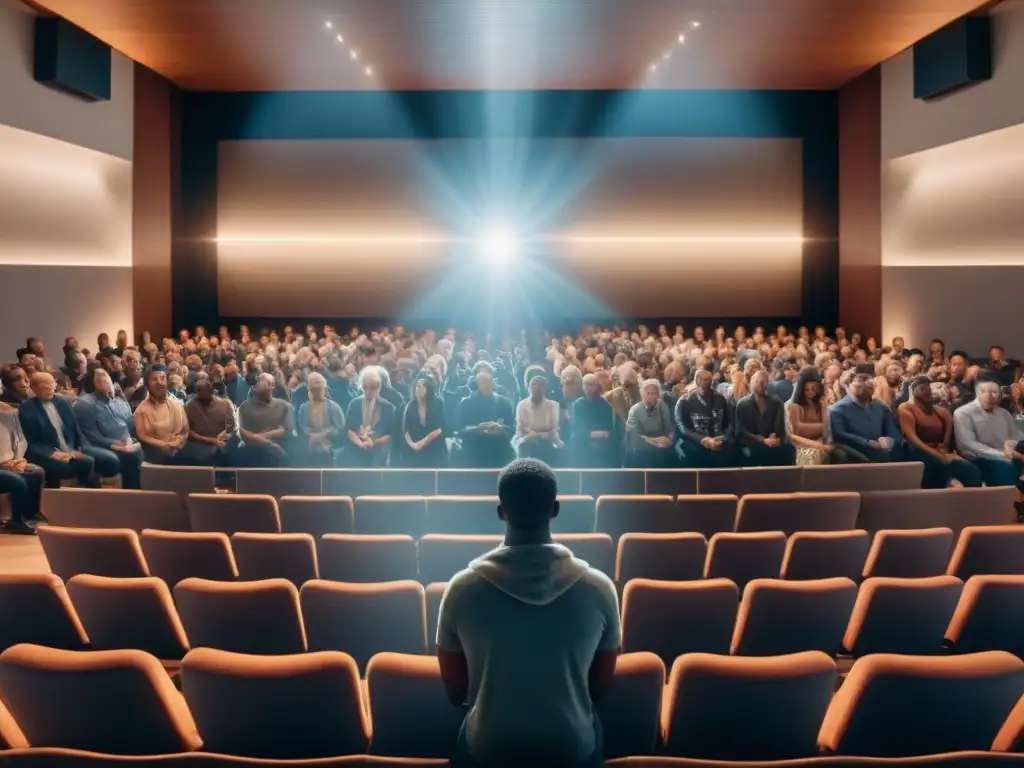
column 316, row 705
column 614, row 515
column 740, row 557
column 591, row 482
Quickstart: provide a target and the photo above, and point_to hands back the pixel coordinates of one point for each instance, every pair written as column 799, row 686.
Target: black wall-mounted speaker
column 69, row 58
column 954, row 57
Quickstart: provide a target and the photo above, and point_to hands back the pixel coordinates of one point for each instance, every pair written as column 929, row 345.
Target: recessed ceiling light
column 354, row 55
column 695, row 24
column 368, row 71
column 341, row 39
column 682, row 38
column 328, row 24
column 654, row 67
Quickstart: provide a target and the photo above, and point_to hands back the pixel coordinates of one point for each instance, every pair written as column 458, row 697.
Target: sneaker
column 20, row 528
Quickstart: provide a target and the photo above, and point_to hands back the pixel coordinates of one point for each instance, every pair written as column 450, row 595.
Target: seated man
column 212, row 432
column 527, row 639
column 704, row 421
column 761, row 427
column 55, row 442
column 106, row 422
column 14, row 382
column 486, row 424
column 650, row 431
column 537, row 423
column 265, row 425
column 864, row 426
column 160, row 422
column 23, row 481
column 987, row 436
column 596, row 437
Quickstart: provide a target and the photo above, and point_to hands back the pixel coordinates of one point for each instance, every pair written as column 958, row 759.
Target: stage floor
column 22, row 554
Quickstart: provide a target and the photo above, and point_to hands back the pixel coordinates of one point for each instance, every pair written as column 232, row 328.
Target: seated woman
column 650, row 431
column 423, row 427
column 370, row 421
column 537, row 425
column 321, row 426
column 929, row 434
column 807, row 423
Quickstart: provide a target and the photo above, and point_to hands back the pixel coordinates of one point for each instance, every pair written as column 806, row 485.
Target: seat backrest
column 353, row 482
column 576, row 514
column 120, row 702
column 441, row 556
column 742, row 557
column 953, row 508
column 605, row 482
column 989, row 616
column 988, row 551
column 181, row 481
column 279, row 482
column 464, row 515
column 35, row 609
column 912, row 554
column 775, row 703
column 671, row 618
column 671, row 482
column 720, row 481
column 792, row 512
column 129, row 613
column 662, row 556
column 433, row 593
column 467, row 482
column 707, row 514
column 596, row 549
column 290, row 556
column 862, row 477
column 779, row 617
column 617, row 515
column 824, row 555
column 173, row 556
column 316, row 515
column 362, row 559
column 630, row 712
column 896, row 706
column 770, row 480
column 111, row 552
column 233, row 512
column 114, row 508
column 386, row 515
column 260, row 617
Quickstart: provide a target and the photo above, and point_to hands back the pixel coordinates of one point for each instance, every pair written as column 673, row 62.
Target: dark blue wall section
column 207, row 118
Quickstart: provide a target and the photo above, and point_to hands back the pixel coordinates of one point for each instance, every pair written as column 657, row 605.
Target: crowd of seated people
column 608, row 397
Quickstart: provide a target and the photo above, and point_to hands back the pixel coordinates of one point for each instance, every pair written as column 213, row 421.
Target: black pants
column 649, row 457
column 938, row 474
column 81, row 469
column 130, row 467
column 698, row 457
column 25, row 488
column 760, row 455
column 253, row 455
column 544, row 450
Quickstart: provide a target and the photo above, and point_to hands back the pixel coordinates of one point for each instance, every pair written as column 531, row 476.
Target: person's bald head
column 43, row 385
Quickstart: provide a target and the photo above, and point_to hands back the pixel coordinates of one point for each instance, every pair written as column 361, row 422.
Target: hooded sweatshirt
column 529, row 620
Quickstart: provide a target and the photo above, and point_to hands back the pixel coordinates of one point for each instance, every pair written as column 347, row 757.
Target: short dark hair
column 89, row 381
column 958, row 353
column 996, row 346
column 154, row 368
column 528, row 493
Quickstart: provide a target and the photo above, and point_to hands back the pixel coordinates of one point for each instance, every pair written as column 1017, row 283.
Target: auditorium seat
column 364, row 619
column 120, row 702
column 316, row 515
column 909, row 554
column 232, row 512
column 762, row 480
column 129, row 613
column 716, row 482
column 111, row 552
column 825, row 555
column 568, row 482
column 353, row 482
column 72, row 758
column 596, row 549
column 987, row 551
column 294, row 707
column 742, row 708
column 384, row 515
column 174, row 556
column 989, row 616
column 469, row 515
column 907, row 616
column 792, row 512
column 278, row 482
column 290, row 556
column 953, row 508
column 467, row 482
column 260, row 617
column 576, row 514
column 612, row 482
column 11, row 736
column 441, row 556
column 672, row 618
column 707, row 514
column 895, row 706
column 34, row 608
column 182, row 481
column 362, row 559
column 742, row 557
column 411, row 713
column 630, row 712
column 779, row 617
column 671, row 482
column 842, row 478
column 433, row 594
column 409, row 482
column 104, row 508
column 661, row 556
column 617, row 515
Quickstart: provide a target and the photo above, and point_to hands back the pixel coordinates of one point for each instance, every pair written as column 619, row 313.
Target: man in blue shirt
column 864, row 425
column 106, row 422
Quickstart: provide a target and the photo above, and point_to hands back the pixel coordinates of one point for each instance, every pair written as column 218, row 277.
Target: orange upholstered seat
column 103, row 552
column 232, row 512
column 825, row 555
column 174, row 556
column 290, row 556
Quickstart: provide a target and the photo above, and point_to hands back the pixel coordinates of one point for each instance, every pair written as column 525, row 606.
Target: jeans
column 111, row 463
column 25, row 489
column 938, row 474
column 866, row 454
column 1001, row 472
column 81, row 469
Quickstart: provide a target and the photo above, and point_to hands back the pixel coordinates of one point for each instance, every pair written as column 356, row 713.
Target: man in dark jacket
column 761, row 427
column 705, row 426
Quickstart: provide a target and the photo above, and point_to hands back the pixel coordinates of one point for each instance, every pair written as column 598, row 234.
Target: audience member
column 23, row 481
column 537, row 423
column 650, row 430
column 929, row 434
column 212, row 428
column 486, row 424
column 595, row 443
column 864, row 426
column 704, row 420
column 370, row 421
column 106, row 422
column 265, row 426
column 987, row 436
column 761, row 427
column 423, row 427
column 320, row 426
column 160, row 421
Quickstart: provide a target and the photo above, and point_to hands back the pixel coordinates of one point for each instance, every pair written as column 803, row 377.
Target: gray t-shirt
column 529, row 620
column 256, row 416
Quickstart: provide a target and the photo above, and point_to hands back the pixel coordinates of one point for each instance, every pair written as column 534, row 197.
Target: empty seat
column 985, row 551
column 289, row 556
column 825, row 555
column 723, row 708
column 617, row 515
column 662, row 556
column 467, row 482
column 119, row 702
column 792, row 512
column 441, row 556
column 894, row 706
column 707, row 514
column 301, row 706
column 411, row 713
column 433, row 594
column 953, row 508
column 278, row 482
column 107, row 508
column 671, row 618
column 827, row 478
column 316, row 515
column 630, row 712
column 576, row 514
column 362, row 559
column 181, row 481
column 231, row 512
column 671, row 482
column 780, row 617
column 105, row 552
column 989, row 616
column 34, row 608
column 382, row 515
column 596, row 549
column 173, row 556
column 129, row 613
column 467, row 515
column 364, row 619
column 911, row 554
column 742, row 557
column 261, row 617
column 902, row 615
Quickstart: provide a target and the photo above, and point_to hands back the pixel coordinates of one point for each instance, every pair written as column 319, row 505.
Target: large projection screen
column 642, row 227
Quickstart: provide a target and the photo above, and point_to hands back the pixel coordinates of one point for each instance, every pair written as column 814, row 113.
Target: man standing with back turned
column 527, row 639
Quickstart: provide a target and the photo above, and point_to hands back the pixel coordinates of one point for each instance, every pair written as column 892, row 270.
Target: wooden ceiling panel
column 498, row 44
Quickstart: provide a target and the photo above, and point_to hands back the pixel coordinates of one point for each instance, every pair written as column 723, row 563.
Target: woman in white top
column 537, row 434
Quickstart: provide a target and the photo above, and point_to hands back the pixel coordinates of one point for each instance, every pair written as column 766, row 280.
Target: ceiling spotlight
column 654, row 67
column 341, row 39
column 695, row 24
column 682, row 38
column 328, row 25
column 368, row 71
column 354, row 55
column 499, row 246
